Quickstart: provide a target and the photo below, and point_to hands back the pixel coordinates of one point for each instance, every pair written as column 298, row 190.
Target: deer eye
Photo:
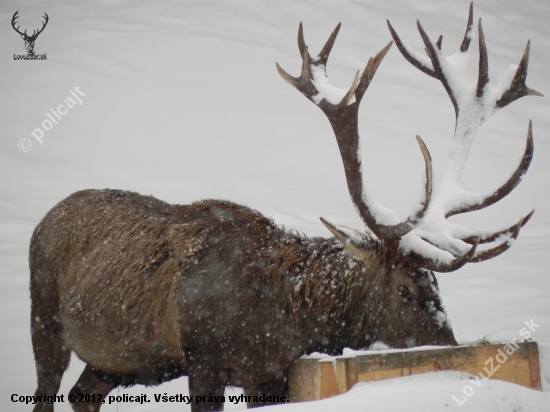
column 402, row 291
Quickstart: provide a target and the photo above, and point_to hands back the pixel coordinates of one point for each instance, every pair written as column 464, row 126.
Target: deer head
column 424, row 240
column 29, row 40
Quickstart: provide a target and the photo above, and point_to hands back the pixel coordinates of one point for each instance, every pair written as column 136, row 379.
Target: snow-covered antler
column 341, row 107
column 473, row 104
column 425, row 238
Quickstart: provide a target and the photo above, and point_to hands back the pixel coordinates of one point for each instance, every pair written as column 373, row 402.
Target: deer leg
column 206, row 382
column 276, row 387
column 51, row 356
column 89, row 391
column 50, row 366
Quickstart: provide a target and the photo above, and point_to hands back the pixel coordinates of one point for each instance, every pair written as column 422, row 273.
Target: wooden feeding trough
column 320, row 378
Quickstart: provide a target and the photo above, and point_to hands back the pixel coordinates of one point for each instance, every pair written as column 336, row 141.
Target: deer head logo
column 29, row 40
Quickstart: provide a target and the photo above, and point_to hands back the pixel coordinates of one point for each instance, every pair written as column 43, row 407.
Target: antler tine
column 483, row 76
column 455, row 264
column 497, row 250
column 518, row 88
column 508, row 186
column 327, row 48
column 369, row 72
column 430, row 50
column 438, row 70
column 293, row 81
column 467, row 39
column 355, row 185
column 301, row 41
column 408, row 54
column 439, row 42
column 305, row 73
column 303, row 83
column 346, row 99
column 429, row 183
column 488, row 238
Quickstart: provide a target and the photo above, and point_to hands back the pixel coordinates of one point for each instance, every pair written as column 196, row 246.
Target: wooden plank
column 341, row 376
column 379, row 367
column 488, row 361
column 327, row 380
column 351, row 373
column 518, row 363
column 534, row 366
column 302, row 379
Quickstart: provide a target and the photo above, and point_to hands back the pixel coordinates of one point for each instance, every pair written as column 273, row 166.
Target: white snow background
column 183, row 102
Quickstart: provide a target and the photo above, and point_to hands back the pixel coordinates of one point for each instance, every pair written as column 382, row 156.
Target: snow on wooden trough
column 313, row 378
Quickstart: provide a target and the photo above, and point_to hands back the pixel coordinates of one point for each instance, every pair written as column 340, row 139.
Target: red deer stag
column 144, row 291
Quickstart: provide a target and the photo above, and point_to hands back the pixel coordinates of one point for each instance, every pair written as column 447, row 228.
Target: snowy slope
column 182, row 101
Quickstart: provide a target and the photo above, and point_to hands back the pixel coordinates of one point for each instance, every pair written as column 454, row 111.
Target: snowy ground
column 182, row 101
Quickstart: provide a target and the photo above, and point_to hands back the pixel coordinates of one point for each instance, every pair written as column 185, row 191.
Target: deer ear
column 350, row 239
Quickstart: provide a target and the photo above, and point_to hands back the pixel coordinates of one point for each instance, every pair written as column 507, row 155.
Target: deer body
column 144, row 291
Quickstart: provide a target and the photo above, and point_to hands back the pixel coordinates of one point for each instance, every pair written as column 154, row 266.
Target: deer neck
column 331, row 291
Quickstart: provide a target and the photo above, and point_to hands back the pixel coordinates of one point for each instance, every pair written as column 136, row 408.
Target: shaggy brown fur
column 144, row 292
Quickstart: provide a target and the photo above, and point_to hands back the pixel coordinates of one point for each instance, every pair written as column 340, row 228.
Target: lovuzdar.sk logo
column 29, row 40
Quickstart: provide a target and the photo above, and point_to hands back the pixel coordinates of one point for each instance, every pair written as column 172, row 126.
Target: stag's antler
column 341, row 108
column 473, row 107
column 425, row 238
